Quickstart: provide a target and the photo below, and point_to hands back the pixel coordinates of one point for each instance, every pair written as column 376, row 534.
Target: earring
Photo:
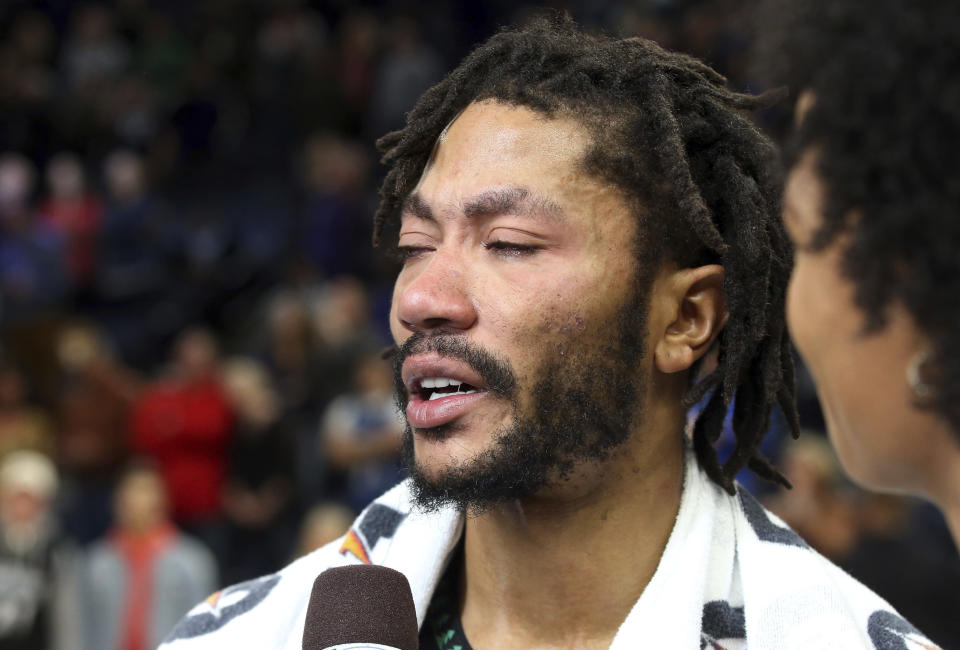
column 921, row 389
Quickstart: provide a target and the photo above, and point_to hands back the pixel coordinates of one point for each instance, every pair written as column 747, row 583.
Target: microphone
column 361, row 607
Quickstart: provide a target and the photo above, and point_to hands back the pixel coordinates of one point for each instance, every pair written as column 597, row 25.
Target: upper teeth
column 439, row 382
column 460, row 388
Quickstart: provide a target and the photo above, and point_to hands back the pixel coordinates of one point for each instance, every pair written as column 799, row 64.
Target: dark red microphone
column 361, row 607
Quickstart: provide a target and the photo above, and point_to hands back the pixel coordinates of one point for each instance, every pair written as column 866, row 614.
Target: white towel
column 732, row 576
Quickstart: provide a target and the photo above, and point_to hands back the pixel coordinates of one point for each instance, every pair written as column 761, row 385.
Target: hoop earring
column 921, row 389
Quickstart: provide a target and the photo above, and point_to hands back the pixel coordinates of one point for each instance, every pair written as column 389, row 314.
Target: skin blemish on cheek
column 576, row 325
column 562, row 326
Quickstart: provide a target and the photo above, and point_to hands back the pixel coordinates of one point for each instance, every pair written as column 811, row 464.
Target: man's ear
column 698, row 313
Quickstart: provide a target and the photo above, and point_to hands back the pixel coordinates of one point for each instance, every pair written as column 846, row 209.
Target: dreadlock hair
column 885, row 126
column 704, row 182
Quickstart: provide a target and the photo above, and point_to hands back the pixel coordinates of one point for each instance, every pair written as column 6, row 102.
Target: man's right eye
column 404, row 253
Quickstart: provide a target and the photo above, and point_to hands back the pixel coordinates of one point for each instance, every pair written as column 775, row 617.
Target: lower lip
column 426, row 414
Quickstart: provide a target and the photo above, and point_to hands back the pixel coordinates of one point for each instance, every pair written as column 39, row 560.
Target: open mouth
column 433, row 388
column 441, row 390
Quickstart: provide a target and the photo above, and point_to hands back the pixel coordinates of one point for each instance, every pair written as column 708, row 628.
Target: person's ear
column 698, row 313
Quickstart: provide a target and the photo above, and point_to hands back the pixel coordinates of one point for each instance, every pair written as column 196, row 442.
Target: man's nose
column 437, row 298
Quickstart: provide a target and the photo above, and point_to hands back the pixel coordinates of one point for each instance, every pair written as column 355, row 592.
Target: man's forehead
column 496, row 158
column 503, row 131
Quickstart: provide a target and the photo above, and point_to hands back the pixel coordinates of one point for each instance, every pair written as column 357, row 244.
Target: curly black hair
column 705, row 184
column 885, row 124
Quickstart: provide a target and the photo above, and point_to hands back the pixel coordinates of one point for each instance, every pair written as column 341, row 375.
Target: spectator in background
column 285, row 39
column 95, row 395
column 335, row 229
column 74, row 212
column 31, row 271
column 291, row 355
column 321, row 525
column 342, row 317
column 361, row 433
column 897, row 558
column 39, row 606
column 357, row 39
column 647, row 20
column 131, row 114
column 27, row 82
column 163, row 55
column 260, row 485
column 21, row 425
column 319, row 96
column 817, row 507
column 313, row 341
column 134, row 251
column 195, row 120
column 408, row 67
column 145, row 574
column 305, row 377
column 873, row 537
column 93, row 52
column 184, row 422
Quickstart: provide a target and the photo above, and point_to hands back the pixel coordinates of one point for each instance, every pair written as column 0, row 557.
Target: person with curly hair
column 590, row 240
column 871, row 204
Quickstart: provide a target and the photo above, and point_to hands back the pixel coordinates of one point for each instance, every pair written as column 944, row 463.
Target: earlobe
column 698, row 313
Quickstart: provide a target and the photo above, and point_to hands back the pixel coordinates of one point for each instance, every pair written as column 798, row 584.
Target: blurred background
column 191, row 315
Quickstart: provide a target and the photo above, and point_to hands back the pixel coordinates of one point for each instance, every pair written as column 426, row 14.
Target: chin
column 432, row 452
column 873, row 465
column 429, row 469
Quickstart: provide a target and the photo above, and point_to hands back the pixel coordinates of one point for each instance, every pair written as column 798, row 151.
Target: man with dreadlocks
column 583, row 222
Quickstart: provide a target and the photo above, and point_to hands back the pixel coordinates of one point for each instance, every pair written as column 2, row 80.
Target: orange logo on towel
column 353, row 545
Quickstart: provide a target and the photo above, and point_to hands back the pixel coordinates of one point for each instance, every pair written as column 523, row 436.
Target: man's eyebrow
column 511, row 200
column 415, row 205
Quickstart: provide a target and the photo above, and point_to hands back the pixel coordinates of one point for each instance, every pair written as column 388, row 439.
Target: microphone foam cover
column 363, row 603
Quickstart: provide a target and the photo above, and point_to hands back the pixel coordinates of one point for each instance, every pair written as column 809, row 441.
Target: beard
column 584, row 402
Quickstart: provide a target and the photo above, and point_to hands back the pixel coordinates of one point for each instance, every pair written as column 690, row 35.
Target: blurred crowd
column 192, row 391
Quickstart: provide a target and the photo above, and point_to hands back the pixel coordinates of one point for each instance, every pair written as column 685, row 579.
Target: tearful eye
column 404, row 253
column 511, row 248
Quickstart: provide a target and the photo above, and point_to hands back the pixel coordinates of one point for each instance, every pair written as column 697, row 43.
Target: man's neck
column 565, row 571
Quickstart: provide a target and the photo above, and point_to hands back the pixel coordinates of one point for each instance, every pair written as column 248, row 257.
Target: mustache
column 496, row 373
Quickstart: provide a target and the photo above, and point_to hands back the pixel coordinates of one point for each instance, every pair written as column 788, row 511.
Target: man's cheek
column 558, row 330
column 543, row 350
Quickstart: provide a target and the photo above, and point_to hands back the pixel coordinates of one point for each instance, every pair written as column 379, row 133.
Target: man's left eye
column 510, row 248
